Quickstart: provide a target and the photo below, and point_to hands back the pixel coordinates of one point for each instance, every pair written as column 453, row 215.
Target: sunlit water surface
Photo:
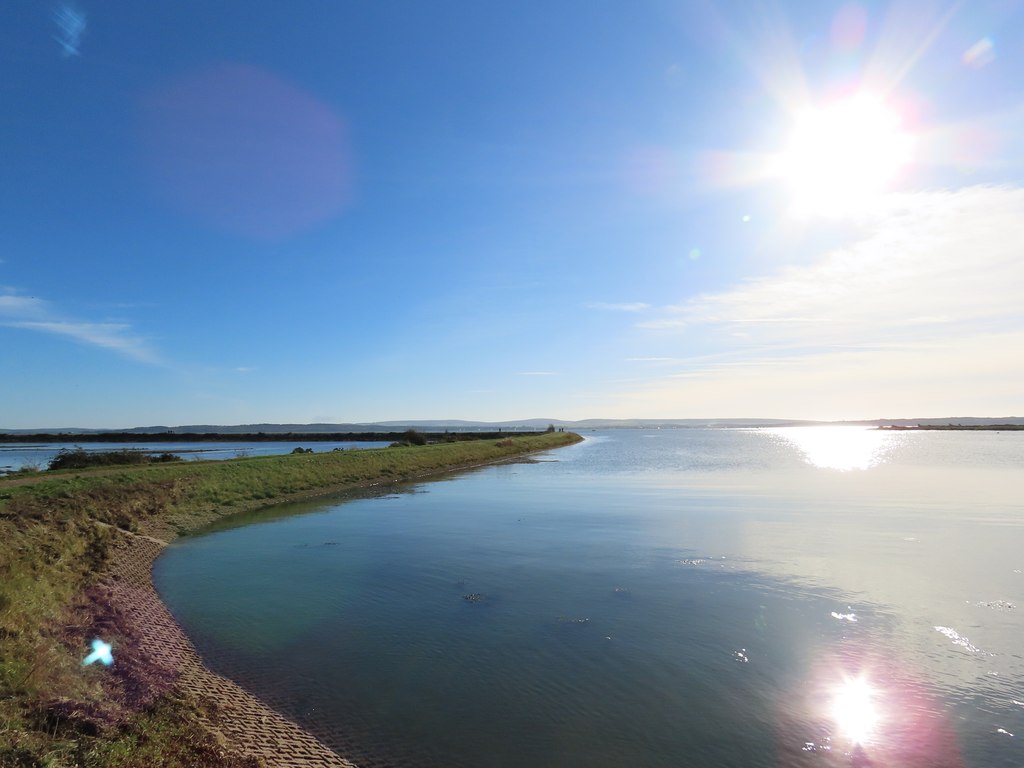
column 792, row 597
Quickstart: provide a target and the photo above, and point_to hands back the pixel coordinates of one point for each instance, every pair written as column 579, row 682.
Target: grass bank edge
column 55, row 545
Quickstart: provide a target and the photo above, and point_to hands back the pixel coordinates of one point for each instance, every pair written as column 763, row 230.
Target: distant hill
column 455, row 425
column 458, row 425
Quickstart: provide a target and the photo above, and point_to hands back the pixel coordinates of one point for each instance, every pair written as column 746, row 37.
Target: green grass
column 55, row 536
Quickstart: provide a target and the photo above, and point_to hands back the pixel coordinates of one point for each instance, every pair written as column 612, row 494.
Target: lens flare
column 870, row 710
column 855, row 711
column 246, row 151
column 101, row 652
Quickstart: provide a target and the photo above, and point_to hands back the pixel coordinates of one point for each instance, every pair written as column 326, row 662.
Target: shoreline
column 234, row 717
column 77, row 549
column 242, row 722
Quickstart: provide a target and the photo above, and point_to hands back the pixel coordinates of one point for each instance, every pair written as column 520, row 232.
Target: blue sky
column 344, row 211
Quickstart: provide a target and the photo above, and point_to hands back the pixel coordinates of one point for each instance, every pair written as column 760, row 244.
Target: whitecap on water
column 997, row 605
column 824, row 745
column 958, row 639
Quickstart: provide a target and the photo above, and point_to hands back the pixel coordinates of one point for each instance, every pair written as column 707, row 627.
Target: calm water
column 801, row 597
column 14, row 456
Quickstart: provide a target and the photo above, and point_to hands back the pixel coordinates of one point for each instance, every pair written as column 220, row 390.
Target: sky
column 342, row 211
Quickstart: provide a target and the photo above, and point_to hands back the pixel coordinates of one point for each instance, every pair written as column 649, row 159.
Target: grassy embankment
column 56, row 535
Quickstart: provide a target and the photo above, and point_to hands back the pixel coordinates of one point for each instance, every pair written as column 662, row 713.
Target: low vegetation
column 56, row 531
column 411, row 437
column 956, row 427
column 79, row 458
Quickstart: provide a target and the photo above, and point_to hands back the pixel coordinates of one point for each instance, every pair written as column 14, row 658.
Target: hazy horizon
column 538, row 422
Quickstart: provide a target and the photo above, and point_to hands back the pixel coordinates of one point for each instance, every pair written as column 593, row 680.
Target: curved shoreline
column 235, row 717
column 242, row 722
column 76, row 554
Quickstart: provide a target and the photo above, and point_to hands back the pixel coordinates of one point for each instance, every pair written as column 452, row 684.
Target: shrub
column 412, row 437
column 79, row 458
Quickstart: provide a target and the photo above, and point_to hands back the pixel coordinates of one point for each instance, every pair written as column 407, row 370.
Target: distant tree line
column 251, row 437
column 955, row 427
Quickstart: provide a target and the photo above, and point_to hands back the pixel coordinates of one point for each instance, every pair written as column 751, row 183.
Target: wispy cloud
column 921, row 314
column 976, row 375
column 629, row 306
column 940, row 262
column 663, row 323
column 27, row 307
column 34, row 314
column 115, row 336
column 70, row 23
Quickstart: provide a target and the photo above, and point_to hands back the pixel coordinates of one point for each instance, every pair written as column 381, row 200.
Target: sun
column 842, row 156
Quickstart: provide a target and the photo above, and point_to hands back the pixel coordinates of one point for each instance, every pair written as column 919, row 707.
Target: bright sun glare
column 854, row 710
column 842, row 156
column 842, row 448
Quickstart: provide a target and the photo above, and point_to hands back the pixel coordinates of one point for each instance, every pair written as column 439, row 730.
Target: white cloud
column 21, row 306
column 922, row 315
column 33, row 314
column 633, row 306
column 115, row 336
column 665, row 323
column 940, row 259
column 964, row 377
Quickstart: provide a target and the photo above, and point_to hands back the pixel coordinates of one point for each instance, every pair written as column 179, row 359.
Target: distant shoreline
column 956, row 427
column 253, row 437
column 368, row 431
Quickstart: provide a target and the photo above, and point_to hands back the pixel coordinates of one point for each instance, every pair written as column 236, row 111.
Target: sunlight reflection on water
column 842, row 448
column 854, row 710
